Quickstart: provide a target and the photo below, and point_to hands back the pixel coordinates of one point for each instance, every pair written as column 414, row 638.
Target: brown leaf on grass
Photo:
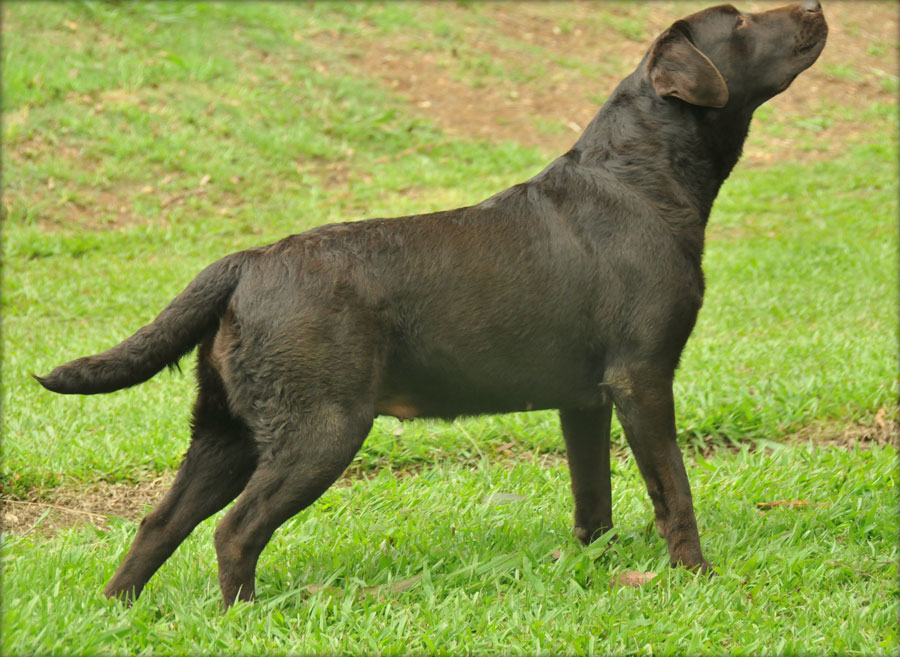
column 790, row 503
column 506, row 447
column 391, row 587
column 178, row 196
column 315, row 588
column 634, row 578
column 879, row 417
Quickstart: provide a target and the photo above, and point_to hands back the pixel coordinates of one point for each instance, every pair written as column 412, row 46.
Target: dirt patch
column 831, row 434
column 46, row 513
column 857, row 69
column 480, row 82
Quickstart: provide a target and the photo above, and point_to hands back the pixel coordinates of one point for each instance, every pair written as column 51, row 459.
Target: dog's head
column 723, row 57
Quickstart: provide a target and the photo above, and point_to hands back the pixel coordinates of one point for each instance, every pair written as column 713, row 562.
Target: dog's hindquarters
column 299, row 357
column 286, row 398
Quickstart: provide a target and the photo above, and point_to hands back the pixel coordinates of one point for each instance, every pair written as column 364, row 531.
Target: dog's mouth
column 811, row 38
column 805, row 47
column 787, row 83
column 804, row 54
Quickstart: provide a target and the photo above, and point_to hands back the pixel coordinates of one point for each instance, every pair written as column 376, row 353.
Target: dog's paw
column 588, row 536
column 703, row 567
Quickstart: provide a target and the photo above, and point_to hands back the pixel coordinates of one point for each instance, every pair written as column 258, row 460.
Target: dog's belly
column 409, row 408
column 432, row 394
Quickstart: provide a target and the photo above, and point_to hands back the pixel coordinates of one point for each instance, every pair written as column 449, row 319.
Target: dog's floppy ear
column 678, row 69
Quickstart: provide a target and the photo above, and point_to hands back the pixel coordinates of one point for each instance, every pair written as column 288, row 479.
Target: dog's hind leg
column 305, row 456
column 646, row 409
column 218, row 463
column 587, row 448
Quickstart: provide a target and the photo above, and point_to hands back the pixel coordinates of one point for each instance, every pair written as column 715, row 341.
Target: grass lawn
column 386, row 565
column 141, row 141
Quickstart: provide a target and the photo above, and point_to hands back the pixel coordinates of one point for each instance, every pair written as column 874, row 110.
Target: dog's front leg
column 587, row 448
column 645, row 407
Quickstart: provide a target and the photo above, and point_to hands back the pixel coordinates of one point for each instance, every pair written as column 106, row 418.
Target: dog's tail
column 191, row 315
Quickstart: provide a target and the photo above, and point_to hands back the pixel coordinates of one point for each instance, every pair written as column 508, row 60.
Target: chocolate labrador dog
column 575, row 290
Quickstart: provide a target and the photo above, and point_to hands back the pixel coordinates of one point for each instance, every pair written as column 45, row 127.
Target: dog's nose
column 811, row 6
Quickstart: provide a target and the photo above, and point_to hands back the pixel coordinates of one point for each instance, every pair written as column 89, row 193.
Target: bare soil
column 861, row 54
column 45, row 513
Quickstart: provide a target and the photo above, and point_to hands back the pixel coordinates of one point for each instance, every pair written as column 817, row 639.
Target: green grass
column 144, row 140
column 386, row 565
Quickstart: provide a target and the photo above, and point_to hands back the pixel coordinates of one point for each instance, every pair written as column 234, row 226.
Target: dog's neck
column 685, row 161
